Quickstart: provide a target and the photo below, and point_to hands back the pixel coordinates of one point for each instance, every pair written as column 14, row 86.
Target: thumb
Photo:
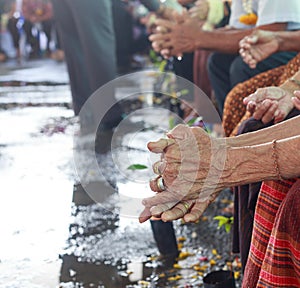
column 160, row 145
column 253, row 39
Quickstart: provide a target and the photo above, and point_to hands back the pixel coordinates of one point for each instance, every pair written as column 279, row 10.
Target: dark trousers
column 164, row 235
column 227, row 70
column 86, row 32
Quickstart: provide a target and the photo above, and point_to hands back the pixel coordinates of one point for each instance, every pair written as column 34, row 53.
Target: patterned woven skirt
column 274, row 258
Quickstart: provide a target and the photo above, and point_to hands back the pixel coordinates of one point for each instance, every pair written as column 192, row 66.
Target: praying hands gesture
column 188, row 172
column 174, row 37
column 258, row 46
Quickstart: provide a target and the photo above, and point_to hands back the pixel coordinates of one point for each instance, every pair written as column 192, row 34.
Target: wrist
column 290, row 86
column 280, row 42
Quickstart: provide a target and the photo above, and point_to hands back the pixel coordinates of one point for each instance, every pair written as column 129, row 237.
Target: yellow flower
column 181, row 239
column 184, row 255
column 249, row 19
column 212, row 262
column 237, row 275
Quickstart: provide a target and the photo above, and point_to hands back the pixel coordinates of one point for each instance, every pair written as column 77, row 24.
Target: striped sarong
column 274, row 258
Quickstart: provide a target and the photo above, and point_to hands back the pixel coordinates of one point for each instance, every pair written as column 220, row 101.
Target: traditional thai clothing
column 274, row 259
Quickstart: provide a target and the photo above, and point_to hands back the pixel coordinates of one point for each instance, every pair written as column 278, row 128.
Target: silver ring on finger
column 160, row 184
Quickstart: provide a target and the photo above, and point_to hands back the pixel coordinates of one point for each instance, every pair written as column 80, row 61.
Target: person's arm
column 261, row 44
column 273, row 103
column 280, row 131
column 288, row 40
column 193, row 180
column 267, row 161
column 187, row 36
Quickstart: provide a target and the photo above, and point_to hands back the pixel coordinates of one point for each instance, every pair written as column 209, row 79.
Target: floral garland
column 250, row 18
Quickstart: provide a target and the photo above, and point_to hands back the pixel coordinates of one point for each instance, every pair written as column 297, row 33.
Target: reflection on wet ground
column 54, row 234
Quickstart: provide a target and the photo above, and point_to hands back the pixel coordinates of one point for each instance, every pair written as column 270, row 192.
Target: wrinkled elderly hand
column 258, row 46
column 190, row 166
column 173, row 38
column 270, row 103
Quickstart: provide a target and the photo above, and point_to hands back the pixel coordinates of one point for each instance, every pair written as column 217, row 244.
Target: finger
column 177, row 211
column 269, row 115
column 296, row 101
column 145, row 215
column 166, row 53
column 297, row 93
column 160, row 208
column 279, row 115
column 161, row 29
column 158, row 37
column 159, row 167
column 161, row 198
column 196, row 212
column 251, row 106
column 157, row 184
column 165, row 23
column 242, row 52
column 252, row 64
column 244, row 45
column 171, row 170
column 160, row 145
column 157, row 45
column 252, row 39
column 262, row 109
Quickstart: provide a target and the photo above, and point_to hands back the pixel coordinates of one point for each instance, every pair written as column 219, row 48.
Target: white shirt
column 268, row 12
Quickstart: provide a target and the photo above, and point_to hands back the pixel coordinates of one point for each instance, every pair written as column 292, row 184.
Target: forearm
column 292, row 84
column 288, row 40
column 268, row 161
column 221, row 40
column 279, row 131
column 226, row 40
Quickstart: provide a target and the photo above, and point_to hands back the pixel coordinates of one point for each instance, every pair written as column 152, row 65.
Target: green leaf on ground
column 137, row 167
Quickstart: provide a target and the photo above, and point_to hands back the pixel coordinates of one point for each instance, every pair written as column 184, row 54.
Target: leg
column 97, row 39
column 218, row 72
column 13, row 30
column 31, row 39
column 73, row 52
column 240, row 71
column 47, row 28
column 164, row 235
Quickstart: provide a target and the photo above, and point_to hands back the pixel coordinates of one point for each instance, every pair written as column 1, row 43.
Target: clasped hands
column 188, row 172
column 175, row 36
